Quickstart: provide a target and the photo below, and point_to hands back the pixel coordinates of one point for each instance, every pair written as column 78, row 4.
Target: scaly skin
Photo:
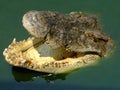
column 76, row 32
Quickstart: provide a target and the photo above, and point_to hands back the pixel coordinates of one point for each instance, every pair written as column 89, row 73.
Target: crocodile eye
column 34, row 18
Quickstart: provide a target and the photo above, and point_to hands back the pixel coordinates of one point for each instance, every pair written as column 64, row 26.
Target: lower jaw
column 34, row 55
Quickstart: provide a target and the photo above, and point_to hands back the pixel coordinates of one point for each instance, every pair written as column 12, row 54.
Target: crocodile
column 60, row 42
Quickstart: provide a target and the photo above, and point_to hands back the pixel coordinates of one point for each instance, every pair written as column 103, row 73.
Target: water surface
column 104, row 75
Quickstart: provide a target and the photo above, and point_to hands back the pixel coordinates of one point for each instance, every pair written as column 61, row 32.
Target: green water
column 103, row 76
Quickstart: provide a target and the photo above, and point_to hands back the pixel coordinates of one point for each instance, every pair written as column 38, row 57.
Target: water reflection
column 21, row 74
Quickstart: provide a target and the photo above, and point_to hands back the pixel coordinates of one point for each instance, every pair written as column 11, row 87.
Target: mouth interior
column 60, row 53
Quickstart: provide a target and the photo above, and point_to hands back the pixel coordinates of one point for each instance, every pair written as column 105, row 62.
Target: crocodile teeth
column 30, row 54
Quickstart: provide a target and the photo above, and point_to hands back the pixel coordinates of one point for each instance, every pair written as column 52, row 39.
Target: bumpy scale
column 76, row 32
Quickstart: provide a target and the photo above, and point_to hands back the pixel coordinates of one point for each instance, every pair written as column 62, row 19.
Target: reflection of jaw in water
column 21, row 74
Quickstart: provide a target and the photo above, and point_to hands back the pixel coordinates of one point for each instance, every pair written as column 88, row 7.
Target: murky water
column 104, row 75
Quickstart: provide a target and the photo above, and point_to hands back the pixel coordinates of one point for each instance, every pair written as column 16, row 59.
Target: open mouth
column 60, row 42
column 34, row 55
